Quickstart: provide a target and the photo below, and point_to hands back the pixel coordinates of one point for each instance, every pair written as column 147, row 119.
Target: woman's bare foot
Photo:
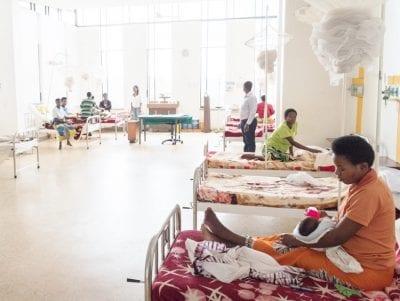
column 208, row 235
column 211, row 220
column 219, row 230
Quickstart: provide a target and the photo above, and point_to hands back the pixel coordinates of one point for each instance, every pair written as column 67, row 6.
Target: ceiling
column 71, row 4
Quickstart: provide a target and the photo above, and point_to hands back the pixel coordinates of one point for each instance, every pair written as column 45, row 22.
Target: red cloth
column 175, row 282
column 260, row 109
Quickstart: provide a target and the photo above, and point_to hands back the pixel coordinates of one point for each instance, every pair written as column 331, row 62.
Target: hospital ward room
column 199, row 150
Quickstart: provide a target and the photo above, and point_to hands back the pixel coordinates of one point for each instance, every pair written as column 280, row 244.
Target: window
column 160, row 71
column 89, row 16
column 190, row 10
column 113, row 61
column 159, row 61
column 68, row 17
column 243, row 8
column 215, row 9
column 113, row 65
column 116, row 15
column 213, row 75
column 138, row 13
column 213, row 62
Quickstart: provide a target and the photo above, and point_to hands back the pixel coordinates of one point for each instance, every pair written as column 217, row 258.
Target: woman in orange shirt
column 365, row 225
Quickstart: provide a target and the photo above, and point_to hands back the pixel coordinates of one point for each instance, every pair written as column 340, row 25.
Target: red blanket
column 175, row 282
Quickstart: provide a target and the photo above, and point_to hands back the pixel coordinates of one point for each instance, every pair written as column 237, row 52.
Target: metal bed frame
column 159, row 247
column 92, row 124
column 18, row 146
column 120, row 122
column 201, row 173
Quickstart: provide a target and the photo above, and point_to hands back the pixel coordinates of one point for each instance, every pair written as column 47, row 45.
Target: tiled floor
column 76, row 229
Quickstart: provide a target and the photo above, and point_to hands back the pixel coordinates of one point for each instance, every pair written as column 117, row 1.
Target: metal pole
column 14, row 157
column 379, row 97
column 344, row 92
column 266, row 80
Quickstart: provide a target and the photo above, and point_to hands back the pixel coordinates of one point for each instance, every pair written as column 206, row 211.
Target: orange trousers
column 312, row 260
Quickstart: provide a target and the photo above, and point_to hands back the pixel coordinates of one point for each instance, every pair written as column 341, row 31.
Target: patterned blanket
column 176, row 281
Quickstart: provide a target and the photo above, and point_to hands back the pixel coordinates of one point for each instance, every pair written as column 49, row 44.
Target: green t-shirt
column 87, row 106
column 278, row 139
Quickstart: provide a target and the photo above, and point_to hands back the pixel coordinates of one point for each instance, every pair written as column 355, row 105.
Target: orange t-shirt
column 370, row 203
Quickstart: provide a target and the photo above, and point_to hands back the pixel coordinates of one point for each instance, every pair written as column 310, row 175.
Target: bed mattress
column 303, row 161
column 268, row 191
column 111, row 120
column 175, row 281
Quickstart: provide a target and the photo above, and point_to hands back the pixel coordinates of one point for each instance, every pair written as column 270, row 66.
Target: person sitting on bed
column 364, row 225
column 279, row 145
column 105, row 104
column 64, row 103
column 60, row 123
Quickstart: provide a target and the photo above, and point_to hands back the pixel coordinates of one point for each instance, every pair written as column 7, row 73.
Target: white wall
column 389, row 111
column 391, row 66
column 8, row 104
column 305, row 85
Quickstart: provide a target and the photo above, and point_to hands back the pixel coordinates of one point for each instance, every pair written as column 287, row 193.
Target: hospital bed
column 169, row 276
column 231, row 165
column 233, row 133
column 18, row 144
column 266, row 194
column 91, row 126
column 318, row 165
column 116, row 120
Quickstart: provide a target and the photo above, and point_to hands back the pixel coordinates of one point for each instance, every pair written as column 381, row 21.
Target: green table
column 174, row 120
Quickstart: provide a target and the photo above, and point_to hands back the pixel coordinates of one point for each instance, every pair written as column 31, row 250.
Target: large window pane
column 214, row 34
column 138, row 13
column 160, row 73
column 190, row 10
column 112, row 38
column 216, row 9
column 114, row 85
column 213, row 75
column 115, row 15
column 244, row 8
column 89, row 16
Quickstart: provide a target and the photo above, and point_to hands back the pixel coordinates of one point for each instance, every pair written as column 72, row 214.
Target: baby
column 308, row 225
column 312, row 228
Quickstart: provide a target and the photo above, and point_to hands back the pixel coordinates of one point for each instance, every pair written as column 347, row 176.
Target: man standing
column 248, row 122
column 88, row 106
